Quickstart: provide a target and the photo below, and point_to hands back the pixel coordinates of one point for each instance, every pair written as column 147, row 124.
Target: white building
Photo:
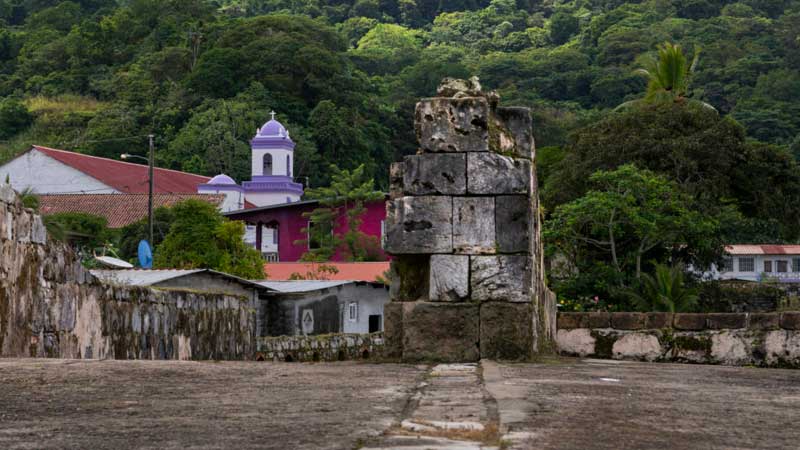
column 271, row 163
column 309, row 307
column 758, row 263
column 46, row 170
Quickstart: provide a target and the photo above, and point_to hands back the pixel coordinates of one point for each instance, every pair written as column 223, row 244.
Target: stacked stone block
column 462, row 225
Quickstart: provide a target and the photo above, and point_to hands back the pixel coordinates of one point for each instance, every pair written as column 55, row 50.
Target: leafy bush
column 14, row 117
column 665, row 291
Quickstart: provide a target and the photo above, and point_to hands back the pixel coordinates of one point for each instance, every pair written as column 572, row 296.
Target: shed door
column 374, row 323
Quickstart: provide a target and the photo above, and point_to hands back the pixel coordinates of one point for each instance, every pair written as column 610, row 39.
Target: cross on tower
column 273, row 115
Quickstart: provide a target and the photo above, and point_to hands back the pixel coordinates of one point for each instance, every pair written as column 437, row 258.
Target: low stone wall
column 761, row 339
column 325, row 347
column 50, row 306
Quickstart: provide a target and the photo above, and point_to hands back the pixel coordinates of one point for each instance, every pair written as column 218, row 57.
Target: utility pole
column 151, row 161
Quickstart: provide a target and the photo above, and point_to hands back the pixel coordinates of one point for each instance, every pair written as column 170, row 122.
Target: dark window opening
column 267, row 164
column 374, row 323
column 319, row 234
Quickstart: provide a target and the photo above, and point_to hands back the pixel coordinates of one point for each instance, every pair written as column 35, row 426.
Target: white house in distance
column 759, row 262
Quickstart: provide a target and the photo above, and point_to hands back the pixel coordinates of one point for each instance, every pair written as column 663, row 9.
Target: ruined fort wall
column 50, row 306
column 463, row 225
column 761, row 339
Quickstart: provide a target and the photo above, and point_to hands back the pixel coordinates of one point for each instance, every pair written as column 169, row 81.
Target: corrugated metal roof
column 144, row 277
column 765, row 249
column 141, row 277
column 302, row 285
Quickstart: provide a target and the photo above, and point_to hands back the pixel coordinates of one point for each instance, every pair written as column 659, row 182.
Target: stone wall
column 324, row 347
column 50, row 306
column 761, row 339
column 463, row 226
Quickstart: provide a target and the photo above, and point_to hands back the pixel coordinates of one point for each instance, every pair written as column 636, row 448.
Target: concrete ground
column 79, row 404
column 576, row 404
column 556, row 404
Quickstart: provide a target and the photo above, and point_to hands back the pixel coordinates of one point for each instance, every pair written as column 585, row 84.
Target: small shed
column 205, row 280
column 309, row 307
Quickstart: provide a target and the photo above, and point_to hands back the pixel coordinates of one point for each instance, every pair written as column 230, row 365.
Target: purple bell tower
column 273, row 159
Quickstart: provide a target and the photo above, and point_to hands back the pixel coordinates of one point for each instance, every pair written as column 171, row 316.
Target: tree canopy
column 344, row 75
column 199, row 237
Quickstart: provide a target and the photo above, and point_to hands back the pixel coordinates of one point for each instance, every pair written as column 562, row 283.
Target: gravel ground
column 48, row 404
column 572, row 404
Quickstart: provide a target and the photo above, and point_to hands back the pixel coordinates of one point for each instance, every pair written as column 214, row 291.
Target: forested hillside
column 639, row 169
column 344, row 75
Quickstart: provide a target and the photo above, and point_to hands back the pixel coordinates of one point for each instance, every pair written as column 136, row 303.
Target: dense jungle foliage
column 343, row 75
column 96, row 76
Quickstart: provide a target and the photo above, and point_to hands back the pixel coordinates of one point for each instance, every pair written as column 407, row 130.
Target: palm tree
column 665, row 291
column 668, row 76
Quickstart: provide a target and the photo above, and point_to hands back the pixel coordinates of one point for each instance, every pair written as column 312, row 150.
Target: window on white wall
column 747, row 264
column 767, row 266
column 727, row 265
column 353, row 311
column 795, row 264
column 782, row 266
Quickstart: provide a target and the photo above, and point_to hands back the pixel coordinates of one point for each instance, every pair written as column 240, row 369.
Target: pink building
column 286, row 222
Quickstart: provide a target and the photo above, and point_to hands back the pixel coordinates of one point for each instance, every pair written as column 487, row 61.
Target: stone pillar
column 463, row 227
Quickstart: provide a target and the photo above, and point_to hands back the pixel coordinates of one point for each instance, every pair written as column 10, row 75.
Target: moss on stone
column 693, row 343
column 4, row 300
column 603, row 344
column 414, row 274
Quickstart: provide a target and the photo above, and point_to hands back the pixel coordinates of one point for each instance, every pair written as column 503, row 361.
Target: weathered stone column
column 463, row 227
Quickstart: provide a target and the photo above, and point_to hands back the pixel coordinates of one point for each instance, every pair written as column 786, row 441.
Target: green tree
column 131, row 234
column 628, row 214
column 563, row 26
column 665, row 291
column 669, row 75
column 335, row 225
column 386, row 47
column 14, row 117
column 200, row 237
column 689, row 144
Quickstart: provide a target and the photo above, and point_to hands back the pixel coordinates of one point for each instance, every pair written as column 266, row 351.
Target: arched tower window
column 288, row 166
column 267, row 164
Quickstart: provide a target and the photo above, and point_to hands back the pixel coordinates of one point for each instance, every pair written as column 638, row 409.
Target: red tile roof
column 127, row 177
column 762, row 249
column 362, row 271
column 118, row 209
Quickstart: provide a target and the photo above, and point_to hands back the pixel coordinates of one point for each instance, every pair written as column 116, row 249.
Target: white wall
column 270, row 198
column 758, row 269
column 278, row 161
column 367, row 305
column 46, row 175
column 234, row 200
